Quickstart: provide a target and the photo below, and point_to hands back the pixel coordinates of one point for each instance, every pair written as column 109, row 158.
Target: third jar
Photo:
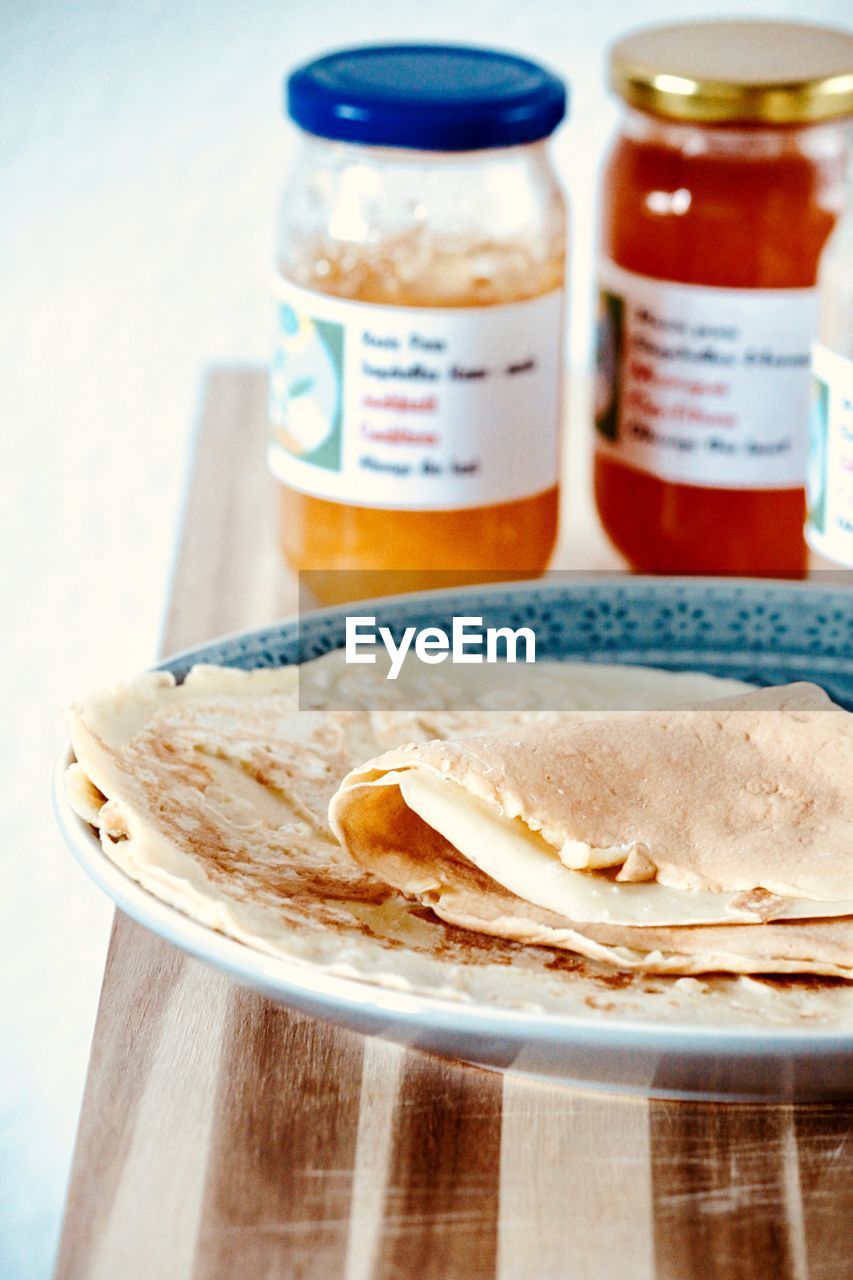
column 722, row 185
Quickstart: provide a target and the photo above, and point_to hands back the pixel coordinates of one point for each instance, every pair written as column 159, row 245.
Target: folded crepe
column 716, row 838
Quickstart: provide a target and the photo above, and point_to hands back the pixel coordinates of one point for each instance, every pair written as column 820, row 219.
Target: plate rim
column 549, row 581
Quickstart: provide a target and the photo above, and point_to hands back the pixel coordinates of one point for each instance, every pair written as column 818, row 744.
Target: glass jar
column 416, row 380
column 720, row 190
column 829, row 526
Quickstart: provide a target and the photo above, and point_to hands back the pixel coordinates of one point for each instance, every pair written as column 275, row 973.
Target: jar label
column 829, row 487
column 415, row 407
column 704, row 386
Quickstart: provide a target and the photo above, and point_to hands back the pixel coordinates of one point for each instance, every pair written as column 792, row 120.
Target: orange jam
column 415, row 384
column 468, row 544
column 704, row 391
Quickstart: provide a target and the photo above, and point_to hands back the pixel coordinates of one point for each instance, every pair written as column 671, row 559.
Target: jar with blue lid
column 417, row 372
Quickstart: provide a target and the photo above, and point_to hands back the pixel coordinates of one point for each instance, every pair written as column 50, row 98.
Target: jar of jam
column 829, row 526
column 720, row 190
column 416, row 379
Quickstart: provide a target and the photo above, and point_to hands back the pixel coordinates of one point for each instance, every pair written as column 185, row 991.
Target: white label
column 415, row 407
column 829, row 488
column 704, row 386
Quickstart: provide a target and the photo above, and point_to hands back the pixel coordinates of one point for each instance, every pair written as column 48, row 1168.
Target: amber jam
column 701, row 442
column 505, row 539
column 415, row 388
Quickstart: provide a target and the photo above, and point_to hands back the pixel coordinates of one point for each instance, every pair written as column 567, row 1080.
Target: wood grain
column 823, row 1137
column 575, row 1184
column 222, row 1136
column 441, row 1203
column 227, row 574
column 285, row 1121
column 380, row 1084
column 725, row 1192
column 139, row 1168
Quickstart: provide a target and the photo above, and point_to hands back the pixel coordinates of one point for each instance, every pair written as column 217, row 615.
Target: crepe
column 713, row 838
column 213, row 796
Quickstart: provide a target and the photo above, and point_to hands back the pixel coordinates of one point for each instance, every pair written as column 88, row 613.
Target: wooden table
column 225, row 1138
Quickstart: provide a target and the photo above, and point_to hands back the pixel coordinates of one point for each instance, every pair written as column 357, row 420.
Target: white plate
column 666, row 1059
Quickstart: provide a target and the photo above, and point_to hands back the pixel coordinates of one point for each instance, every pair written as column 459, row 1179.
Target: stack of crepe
column 713, row 838
column 716, row 838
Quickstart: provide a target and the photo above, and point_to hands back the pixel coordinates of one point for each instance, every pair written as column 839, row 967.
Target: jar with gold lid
column 416, row 380
column 720, row 190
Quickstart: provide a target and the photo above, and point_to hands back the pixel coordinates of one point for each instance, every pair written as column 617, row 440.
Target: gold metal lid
column 738, row 71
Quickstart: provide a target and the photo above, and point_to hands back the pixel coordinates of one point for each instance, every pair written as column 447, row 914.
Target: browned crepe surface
column 216, row 802
column 746, row 795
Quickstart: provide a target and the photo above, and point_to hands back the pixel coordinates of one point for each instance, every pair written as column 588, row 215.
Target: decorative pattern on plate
column 764, row 633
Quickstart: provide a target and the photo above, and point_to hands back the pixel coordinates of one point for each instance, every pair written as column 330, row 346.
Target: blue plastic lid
column 429, row 97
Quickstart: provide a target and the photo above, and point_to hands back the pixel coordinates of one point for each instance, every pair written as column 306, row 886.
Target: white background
column 141, row 151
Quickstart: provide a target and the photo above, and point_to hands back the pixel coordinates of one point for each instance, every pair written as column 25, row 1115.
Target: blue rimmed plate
column 764, row 633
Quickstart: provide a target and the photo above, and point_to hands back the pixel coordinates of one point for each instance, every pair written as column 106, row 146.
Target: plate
column 754, row 631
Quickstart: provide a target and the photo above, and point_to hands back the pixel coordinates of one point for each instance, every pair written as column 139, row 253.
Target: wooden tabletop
column 223, row 1137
